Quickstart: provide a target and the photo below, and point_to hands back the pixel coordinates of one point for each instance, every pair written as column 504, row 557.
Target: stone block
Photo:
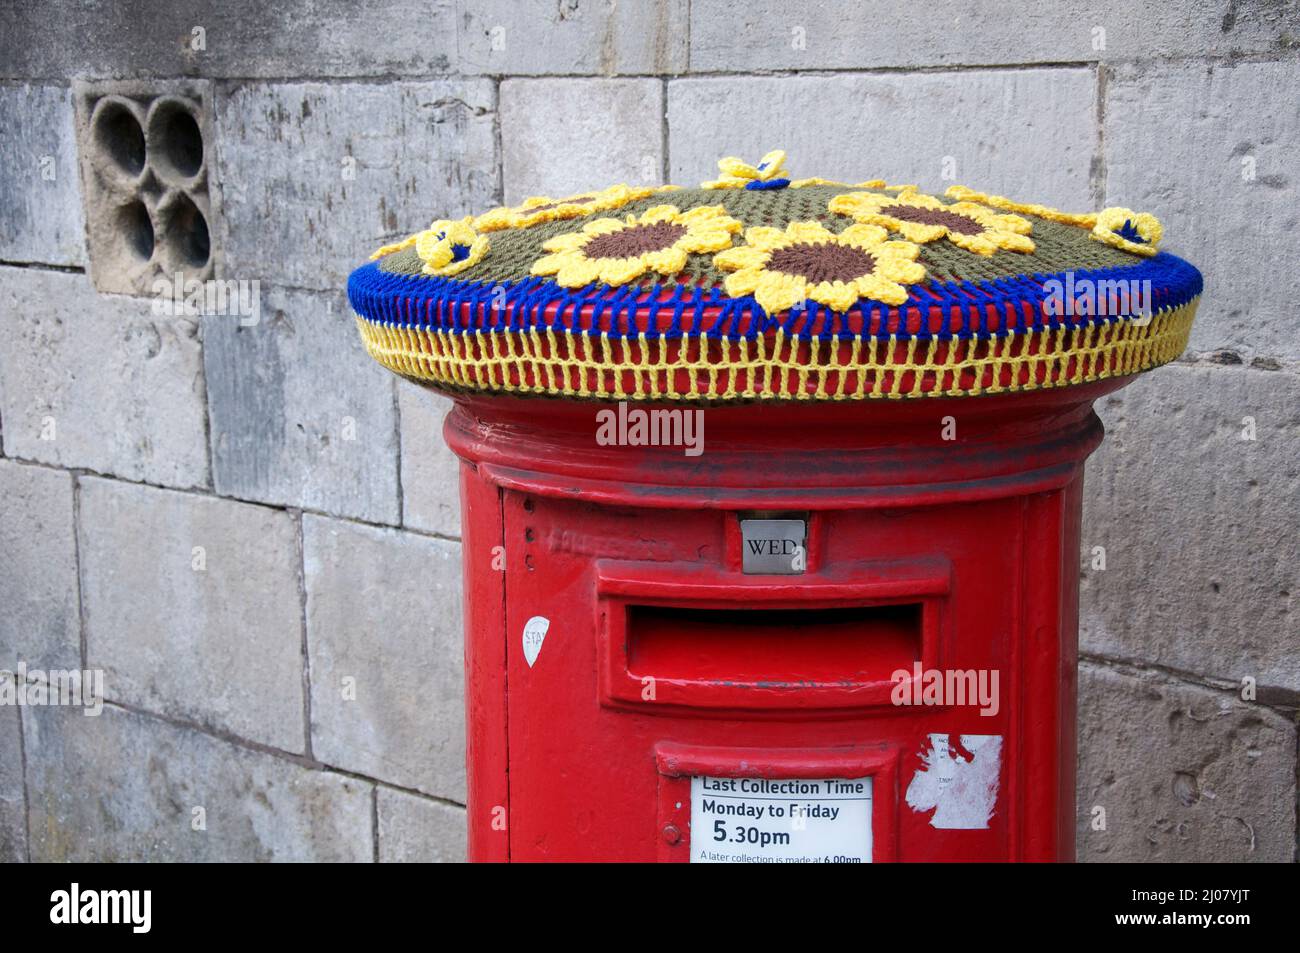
column 40, row 623
column 100, row 382
column 193, row 610
column 384, row 632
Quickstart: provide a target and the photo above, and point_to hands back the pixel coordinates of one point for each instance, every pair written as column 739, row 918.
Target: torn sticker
column 958, row 780
column 534, row 634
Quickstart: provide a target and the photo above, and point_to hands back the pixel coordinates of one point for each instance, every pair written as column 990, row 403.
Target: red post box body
column 616, row 648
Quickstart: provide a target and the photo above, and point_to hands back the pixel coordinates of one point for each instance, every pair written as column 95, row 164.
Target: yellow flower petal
column 603, row 226
column 577, row 272
column 902, row 272
column 777, row 292
column 549, row 264
column 763, row 236
column 737, row 168
column 744, row 256
column 742, row 282
column 1013, row 242
column 771, row 166
column 979, row 244
column 881, row 289
column 706, row 241
column 666, row 262
column 659, row 213
column 864, row 236
column 899, row 250
column 808, row 231
column 834, row 294
column 618, row 271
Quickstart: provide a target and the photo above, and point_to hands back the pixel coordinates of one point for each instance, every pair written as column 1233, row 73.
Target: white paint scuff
column 962, row 793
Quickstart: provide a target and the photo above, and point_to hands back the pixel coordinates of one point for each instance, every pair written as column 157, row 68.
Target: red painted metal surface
column 954, row 554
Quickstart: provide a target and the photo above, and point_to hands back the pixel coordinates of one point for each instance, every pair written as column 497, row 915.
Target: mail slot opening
column 774, row 647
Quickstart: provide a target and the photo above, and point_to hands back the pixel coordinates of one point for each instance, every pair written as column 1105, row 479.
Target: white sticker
column 765, row 821
column 534, row 634
column 958, row 782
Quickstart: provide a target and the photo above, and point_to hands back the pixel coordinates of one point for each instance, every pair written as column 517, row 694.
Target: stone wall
column 252, row 530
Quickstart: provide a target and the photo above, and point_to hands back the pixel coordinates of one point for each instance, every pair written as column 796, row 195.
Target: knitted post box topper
column 757, row 286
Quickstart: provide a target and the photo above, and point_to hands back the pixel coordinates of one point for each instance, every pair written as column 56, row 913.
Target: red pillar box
column 771, row 496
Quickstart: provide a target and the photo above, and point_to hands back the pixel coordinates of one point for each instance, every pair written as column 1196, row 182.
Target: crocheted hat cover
column 756, row 286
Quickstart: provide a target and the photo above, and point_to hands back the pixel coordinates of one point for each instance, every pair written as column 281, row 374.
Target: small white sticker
column 763, row 821
column 959, row 782
column 534, row 634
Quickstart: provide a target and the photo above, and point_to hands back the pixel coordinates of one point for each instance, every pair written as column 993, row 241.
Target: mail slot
column 771, row 498
column 684, row 636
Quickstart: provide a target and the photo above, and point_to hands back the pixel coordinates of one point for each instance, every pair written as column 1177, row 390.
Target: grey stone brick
column 1213, row 157
column 1183, row 773
column 505, row 37
column 13, row 805
column 99, row 382
column 1023, row 133
column 430, row 471
column 1198, row 525
column 561, row 136
column 242, row 38
column 384, row 635
column 315, row 177
column 846, row 34
column 415, row 830
column 123, row 787
column 300, row 414
column 40, row 623
column 220, row 644
column 40, row 197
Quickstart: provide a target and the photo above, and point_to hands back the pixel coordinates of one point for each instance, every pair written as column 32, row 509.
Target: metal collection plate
column 773, row 547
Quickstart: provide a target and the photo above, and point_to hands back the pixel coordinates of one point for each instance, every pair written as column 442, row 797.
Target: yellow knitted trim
column 694, row 368
column 963, row 194
column 542, row 208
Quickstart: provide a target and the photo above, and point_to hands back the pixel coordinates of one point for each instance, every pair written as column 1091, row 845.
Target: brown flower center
column 817, row 262
column 635, row 240
column 953, row 221
column 582, row 200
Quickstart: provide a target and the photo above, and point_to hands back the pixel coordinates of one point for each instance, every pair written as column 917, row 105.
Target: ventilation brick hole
column 119, row 136
column 175, row 139
column 186, row 234
column 136, row 229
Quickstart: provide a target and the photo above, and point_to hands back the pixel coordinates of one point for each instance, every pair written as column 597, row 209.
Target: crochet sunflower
column 617, row 251
column 783, row 268
column 923, row 218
